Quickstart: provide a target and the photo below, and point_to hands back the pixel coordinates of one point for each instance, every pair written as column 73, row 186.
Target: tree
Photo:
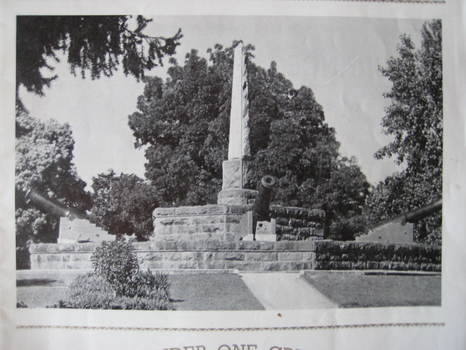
column 44, row 162
column 415, row 120
column 94, row 44
column 343, row 197
column 123, row 204
column 184, row 123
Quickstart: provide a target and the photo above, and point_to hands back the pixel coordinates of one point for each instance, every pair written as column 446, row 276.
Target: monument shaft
column 236, row 168
column 238, row 146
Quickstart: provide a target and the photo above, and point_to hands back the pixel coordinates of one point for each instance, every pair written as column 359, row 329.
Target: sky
column 338, row 58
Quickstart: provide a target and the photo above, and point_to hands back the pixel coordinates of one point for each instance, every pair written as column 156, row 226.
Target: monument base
column 235, row 177
column 207, row 222
column 235, row 173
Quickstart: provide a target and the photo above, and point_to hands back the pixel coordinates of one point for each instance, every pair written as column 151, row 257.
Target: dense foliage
column 44, row 162
column 96, row 45
column 118, row 283
column 123, row 204
column 184, row 123
column 415, row 120
column 116, row 262
column 332, row 255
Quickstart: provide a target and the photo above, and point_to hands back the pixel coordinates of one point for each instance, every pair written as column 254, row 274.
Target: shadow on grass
column 36, row 282
column 176, row 300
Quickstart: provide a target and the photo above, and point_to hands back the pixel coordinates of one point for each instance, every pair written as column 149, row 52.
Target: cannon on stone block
column 421, row 213
column 74, row 226
column 261, row 208
column 400, row 229
column 50, row 206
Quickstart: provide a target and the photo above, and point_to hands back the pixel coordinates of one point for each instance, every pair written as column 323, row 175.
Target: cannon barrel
column 421, row 213
column 261, row 209
column 49, row 205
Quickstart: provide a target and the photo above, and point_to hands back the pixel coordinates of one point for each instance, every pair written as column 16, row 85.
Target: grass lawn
column 188, row 291
column 40, row 296
column 211, row 291
column 42, row 288
column 362, row 289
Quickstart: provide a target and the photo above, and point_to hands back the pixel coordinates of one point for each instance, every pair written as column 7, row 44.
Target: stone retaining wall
column 252, row 256
column 241, row 255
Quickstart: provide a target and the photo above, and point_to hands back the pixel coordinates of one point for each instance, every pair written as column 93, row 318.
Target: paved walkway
column 285, row 291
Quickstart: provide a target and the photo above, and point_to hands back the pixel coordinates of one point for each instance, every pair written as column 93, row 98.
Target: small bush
column 156, row 302
column 23, row 260
column 116, row 262
column 372, row 255
column 146, row 284
column 91, row 291
column 21, row 304
column 117, row 283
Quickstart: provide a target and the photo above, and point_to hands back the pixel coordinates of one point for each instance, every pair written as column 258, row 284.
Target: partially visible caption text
column 230, row 347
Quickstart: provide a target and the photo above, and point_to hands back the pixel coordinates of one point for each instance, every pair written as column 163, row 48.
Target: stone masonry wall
column 241, row 255
column 294, row 223
column 198, row 223
column 252, row 255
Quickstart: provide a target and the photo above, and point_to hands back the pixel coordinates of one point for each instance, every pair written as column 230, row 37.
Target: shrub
column 117, row 283
column 156, row 302
column 372, row 255
column 91, row 291
column 146, row 285
column 116, row 262
column 23, row 260
column 21, row 304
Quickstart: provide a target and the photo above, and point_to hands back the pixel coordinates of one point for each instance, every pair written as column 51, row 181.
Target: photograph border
column 454, row 165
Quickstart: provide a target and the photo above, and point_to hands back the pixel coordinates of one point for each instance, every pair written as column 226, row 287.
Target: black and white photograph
column 228, row 162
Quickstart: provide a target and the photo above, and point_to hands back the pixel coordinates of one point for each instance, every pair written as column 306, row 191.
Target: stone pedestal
column 81, row 230
column 235, row 177
column 207, row 222
column 235, row 173
column 390, row 232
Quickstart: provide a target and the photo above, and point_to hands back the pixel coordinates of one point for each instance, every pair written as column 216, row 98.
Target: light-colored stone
column 241, row 197
column 238, row 146
column 234, row 173
column 229, row 256
column 261, row 256
column 200, row 222
column 237, row 168
column 390, row 232
column 81, row 230
column 290, row 256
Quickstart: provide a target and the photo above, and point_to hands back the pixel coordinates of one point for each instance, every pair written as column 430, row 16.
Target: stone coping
column 202, row 210
column 53, row 273
column 151, row 246
column 216, row 245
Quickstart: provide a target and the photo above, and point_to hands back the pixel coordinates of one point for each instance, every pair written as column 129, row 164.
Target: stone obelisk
column 236, row 168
